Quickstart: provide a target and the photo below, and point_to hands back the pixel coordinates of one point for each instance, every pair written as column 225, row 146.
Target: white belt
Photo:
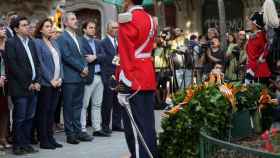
column 143, row 55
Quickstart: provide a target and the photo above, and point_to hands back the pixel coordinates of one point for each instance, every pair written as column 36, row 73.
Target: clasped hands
column 84, row 72
column 3, row 79
column 89, row 58
column 56, row 83
column 34, row 87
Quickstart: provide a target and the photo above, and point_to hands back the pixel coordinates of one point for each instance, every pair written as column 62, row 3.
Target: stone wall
column 108, row 11
column 33, row 9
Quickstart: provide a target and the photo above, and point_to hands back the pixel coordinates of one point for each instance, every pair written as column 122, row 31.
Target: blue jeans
column 23, row 114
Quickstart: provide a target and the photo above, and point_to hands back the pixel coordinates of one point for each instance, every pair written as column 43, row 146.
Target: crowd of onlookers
column 45, row 71
column 201, row 54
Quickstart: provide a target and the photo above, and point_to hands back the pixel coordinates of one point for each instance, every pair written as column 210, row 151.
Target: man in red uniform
column 136, row 76
column 257, row 67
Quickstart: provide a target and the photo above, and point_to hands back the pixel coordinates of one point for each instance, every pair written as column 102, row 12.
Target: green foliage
column 249, row 99
column 178, row 97
column 208, row 110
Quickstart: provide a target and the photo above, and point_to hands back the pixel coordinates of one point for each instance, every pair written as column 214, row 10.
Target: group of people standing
column 38, row 66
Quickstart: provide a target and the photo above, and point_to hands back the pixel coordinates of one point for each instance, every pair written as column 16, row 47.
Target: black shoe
column 107, row 130
column 118, row 129
column 34, row 141
column 47, row 146
column 30, row 150
column 54, row 143
column 72, row 140
column 57, row 145
column 101, row 133
column 84, row 137
column 19, row 151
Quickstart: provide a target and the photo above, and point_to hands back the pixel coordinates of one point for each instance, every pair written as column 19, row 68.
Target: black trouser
column 48, row 99
column 73, row 94
column 142, row 107
column 110, row 103
column 57, row 114
column 23, row 114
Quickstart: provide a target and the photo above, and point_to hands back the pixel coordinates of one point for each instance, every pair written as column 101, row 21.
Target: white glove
column 251, row 72
column 261, row 59
column 122, row 98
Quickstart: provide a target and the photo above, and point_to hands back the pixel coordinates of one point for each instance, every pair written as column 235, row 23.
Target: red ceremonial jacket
column 255, row 48
column 136, row 68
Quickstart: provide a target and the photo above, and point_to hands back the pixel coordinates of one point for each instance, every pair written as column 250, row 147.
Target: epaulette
column 125, row 17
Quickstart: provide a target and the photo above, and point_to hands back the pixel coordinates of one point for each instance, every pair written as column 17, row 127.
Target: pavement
column 101, row 147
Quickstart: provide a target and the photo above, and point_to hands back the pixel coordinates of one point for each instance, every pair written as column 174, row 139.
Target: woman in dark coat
column 51, row 68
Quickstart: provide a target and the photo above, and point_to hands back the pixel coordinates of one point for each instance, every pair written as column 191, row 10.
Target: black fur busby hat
column 257, row 19
column 137, row 2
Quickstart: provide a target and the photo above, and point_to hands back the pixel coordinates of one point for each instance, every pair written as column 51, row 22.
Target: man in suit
column 24, row 77
column 110, row 100
column 94, row 88
column 75, row 70
column 9, row 17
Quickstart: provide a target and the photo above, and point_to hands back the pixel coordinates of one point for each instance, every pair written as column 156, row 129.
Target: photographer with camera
column 214, row 55
column 198, row 48
column 162, row 67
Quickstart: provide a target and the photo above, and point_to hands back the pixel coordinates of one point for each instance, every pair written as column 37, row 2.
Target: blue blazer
column 100, row 57
column 46, row 61
column 109, row 51
column 73, row 61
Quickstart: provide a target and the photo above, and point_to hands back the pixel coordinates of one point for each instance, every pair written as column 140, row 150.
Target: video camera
column 165, row 36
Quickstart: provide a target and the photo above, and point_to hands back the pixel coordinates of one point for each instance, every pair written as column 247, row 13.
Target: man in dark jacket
column 94, row 88
column 24, row 77
column 75, row 70
column 110, row 100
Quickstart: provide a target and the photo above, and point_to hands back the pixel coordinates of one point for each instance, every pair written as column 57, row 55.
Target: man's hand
column 59, row 82
column 54, row 83
column 37, row 86
column 122, row 98
column 2, row 81
column 261, row 59
column 85, row 72
column 251, row 72
column 90, row 58
column 31, row 87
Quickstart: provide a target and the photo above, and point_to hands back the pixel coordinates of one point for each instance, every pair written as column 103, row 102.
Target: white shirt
column 11, row 31
column 26, row 47
column 75, row 39
column 2, row 65
column 113, row 41
column 56, row 61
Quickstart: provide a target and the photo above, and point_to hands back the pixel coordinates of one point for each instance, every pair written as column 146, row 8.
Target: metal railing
column 214, row 148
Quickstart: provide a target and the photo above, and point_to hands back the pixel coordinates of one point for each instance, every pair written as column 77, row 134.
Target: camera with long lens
column 165, row 36
column 203, row 48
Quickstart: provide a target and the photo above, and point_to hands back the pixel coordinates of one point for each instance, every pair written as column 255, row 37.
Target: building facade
column 190, row 15
column 198, row 15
